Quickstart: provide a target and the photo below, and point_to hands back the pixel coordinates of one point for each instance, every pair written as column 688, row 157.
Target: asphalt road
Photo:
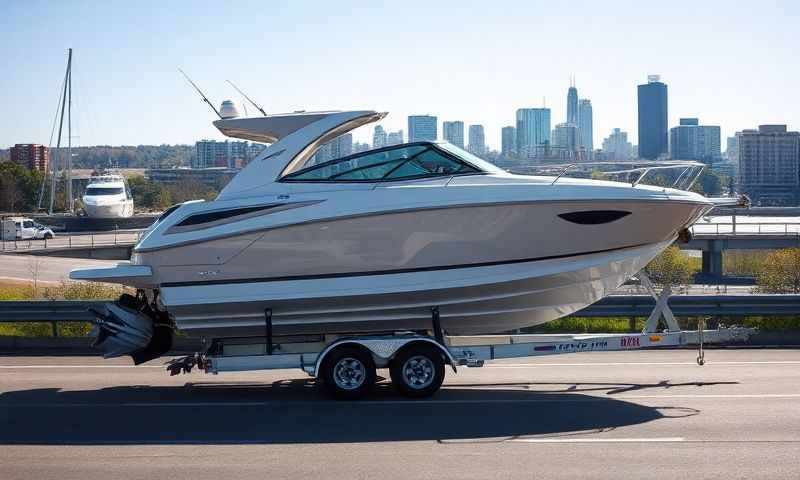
column 610, row 415
column 45, row 269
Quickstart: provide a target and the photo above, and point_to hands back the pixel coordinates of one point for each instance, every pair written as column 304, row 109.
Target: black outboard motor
column 130, row 327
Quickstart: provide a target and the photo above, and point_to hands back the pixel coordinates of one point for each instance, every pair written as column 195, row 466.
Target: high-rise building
column 572, row 105
column 653, row 118
column 359, row 147
column 454, row 132
column 565, row 137
column 379, row 137
column 585, row 127
column 508, row 142
column 394, row 138
column 211, row 153
column 732, row 150
column 339, row 147
column 422, row 127
column 533, row 130
column 228, row 154
column 769, row 165
column 30, row 155
column 692, row 141
column 617, row 147
column 477, row 140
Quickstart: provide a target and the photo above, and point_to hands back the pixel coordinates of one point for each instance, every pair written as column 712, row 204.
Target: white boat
column 372, row 242
column 108, row 196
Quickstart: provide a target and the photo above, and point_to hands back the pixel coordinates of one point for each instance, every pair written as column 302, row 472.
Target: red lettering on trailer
column 628, row 342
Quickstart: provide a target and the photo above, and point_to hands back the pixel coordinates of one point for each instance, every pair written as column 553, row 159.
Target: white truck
column 23, row 228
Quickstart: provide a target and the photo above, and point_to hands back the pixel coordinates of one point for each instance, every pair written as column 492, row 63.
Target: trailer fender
column 384, row 349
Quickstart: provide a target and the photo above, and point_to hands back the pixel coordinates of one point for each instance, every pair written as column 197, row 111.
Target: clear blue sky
column 730, row 63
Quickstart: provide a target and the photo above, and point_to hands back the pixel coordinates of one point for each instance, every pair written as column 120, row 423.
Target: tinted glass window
column 95, row 191
column 27, row 224
column 413, row 161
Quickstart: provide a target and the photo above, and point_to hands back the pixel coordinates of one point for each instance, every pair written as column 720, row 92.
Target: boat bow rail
column 677, row 174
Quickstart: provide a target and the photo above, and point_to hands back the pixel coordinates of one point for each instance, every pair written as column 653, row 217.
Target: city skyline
column 127, row 65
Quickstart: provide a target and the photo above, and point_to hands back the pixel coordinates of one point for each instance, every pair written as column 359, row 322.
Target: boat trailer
column 346, row 365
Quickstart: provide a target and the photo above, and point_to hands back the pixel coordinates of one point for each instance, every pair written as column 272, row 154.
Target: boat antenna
column 248, row 98
column 201, row 93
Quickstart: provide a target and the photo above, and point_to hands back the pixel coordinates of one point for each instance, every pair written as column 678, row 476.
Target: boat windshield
column 400, row 162
column 96, row 191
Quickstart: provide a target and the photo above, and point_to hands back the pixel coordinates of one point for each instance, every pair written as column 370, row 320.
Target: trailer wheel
column 348, row 372
column 418, row 370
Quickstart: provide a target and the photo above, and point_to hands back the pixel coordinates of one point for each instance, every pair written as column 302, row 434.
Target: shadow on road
column 297, row 412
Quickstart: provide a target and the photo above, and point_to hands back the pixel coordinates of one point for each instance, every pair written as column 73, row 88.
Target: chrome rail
column 690, row 170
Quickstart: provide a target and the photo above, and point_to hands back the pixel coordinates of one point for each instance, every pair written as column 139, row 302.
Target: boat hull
column 471, row 300
column 122, row 209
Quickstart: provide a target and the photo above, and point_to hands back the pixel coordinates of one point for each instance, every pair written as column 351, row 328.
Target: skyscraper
column 732, row 150
column 769, row 165
column 585, row 127
column 692, row 141
column 359, row 147
column 422, row 127
column 454, row 132
column 533, row 129
column 339, row 147
column 572, row 104
column 509, row 142
column 394, row 138
column 378, row 137
column 617, row 146
column 565, row 137
column 477, row 140
column 652, row 118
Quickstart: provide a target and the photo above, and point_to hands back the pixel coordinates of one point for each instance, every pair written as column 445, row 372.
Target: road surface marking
column 599, row 440
column 12, row 367
column 620, row 364
column 322, row 402
column 490, row 365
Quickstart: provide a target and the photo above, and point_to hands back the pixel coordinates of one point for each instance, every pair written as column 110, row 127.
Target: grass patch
column 588, row 325
column 20, row 290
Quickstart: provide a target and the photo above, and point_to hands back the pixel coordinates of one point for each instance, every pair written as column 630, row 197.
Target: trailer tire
column 417, row 370
column 348, row 372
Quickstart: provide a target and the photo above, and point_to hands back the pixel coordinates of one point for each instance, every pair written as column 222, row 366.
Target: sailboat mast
column 70, row 201
column 58, row 142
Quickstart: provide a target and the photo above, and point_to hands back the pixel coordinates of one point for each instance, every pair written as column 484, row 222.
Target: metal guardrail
column 75, row 240
column 45, row 311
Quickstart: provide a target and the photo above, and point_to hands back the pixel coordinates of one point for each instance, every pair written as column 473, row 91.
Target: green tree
column 19, row 187
column 671, row 268
column 780, row 272
column 149, row 194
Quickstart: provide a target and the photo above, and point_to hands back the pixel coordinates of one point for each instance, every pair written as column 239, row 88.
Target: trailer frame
column 355, row 358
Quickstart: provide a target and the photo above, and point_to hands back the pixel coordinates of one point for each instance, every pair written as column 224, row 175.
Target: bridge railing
column 74, row 240
column 744, row 228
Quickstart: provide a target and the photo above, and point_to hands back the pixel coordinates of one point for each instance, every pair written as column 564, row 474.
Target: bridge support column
column 712, row 260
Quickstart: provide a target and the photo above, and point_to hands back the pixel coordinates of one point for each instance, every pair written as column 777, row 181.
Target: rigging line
column 248, row 98
column 60, row 127
column 201, row 94
column 50, row 146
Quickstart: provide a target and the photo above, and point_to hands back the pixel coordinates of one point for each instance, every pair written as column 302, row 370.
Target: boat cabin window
column 104, row 190
column 388, row 164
